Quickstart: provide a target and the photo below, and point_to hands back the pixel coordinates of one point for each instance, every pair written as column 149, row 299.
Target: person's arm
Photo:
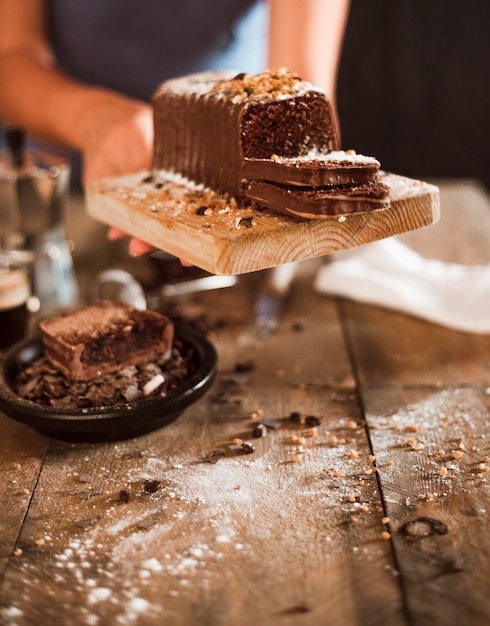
column 114, row 133
column 306, row 37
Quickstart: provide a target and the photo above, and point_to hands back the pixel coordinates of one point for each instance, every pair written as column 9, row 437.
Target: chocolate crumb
column 123, row 497
column 245, row 366
column 260, row 430
column 213, row 457
column 312, row 420
column 245, row 222
column 151, row 486
column 247, row 447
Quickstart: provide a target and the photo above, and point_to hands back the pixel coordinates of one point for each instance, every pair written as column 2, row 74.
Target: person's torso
column 131, row 46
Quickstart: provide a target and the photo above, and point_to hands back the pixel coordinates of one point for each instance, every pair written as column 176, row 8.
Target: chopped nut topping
column 268, row 83
column 413, row 428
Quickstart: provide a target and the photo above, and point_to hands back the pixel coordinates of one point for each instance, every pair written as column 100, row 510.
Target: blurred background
column 413, row 86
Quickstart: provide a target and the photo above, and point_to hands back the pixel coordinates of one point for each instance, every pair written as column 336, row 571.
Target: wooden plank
column 165, row 219
column 252, row 539
column 392, row 348
column 268, row 538
column 21, row 457
column 426, row 393
column 432, row 447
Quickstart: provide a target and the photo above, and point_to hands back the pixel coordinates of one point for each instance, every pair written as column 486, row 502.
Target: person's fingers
column 114, row 234
column 138, row 247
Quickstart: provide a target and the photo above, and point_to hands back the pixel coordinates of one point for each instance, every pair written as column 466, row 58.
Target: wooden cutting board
column 225, row 239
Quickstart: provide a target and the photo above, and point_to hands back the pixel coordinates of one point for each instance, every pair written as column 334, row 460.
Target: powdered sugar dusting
column 172, row 525
column 236, row 86
column 400, row 186
column 333, row 157
column 169, row 523
column 441, row 442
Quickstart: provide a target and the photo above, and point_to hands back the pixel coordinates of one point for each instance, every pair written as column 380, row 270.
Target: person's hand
column 118, row 140
column 118, row 137
column 136, row 246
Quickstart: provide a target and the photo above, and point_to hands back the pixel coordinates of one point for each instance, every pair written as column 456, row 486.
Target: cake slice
column 269, row 137
column 315, row 169
column 320, row 202
column 103, row 338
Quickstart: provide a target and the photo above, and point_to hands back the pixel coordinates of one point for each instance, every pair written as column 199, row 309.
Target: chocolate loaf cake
column 259, row 138
column 207, row 124
column 104, row 338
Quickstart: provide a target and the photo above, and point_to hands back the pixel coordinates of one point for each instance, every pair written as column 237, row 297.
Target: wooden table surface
column 378, row 516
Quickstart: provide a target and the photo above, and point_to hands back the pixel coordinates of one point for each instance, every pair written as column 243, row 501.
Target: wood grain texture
column 432, row 452
column 216, row 244
column 308, row 529
column 22, row 454
column 426, row 396
column 266, row 538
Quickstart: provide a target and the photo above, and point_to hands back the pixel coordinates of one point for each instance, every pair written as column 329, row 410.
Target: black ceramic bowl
column 106, row 423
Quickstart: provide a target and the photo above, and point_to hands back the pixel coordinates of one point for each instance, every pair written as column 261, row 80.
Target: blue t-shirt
column 133, row 45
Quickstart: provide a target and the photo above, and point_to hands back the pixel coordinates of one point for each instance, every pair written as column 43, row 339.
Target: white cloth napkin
column 389, row 274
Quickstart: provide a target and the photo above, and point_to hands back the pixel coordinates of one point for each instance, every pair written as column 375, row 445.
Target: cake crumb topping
column 268, row 84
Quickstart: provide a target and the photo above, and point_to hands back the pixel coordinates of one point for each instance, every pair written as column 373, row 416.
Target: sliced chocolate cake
column 318, row 202
column 207, row 124
column 240, row 134
column 104, row 338
column 314, row 169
